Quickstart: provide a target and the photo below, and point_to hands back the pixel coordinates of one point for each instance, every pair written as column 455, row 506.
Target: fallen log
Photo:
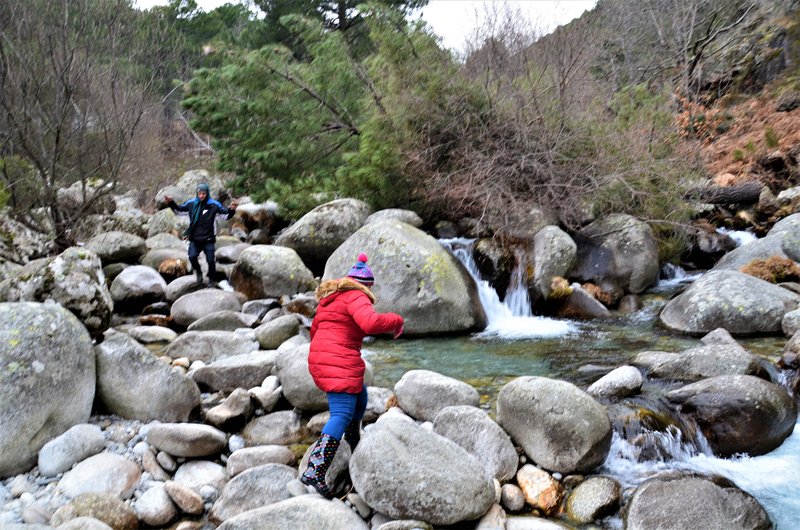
column 746, row 193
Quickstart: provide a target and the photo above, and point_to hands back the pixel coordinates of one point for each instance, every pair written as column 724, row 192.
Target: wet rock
column 116, row 246
column 264, row 271
column 61, row 453
column 184, row 498
column 193, row 306
column 790, row 324
column 701, row 362
column 541, row 490
column 554, row 255
column 155, row 507
column 738, row 413
column 223, row 321
column 211, row 346
column 322, row 230
column 595, row 498
column 186, row 439
column 693, row 502
column 580, row 304
column 307, row 512
column 495, row 263
column 240, row 371
column 482, row 437
column 47, row 383
column 620, row 382
column 558, row 425
column 396, row 214
column 389, row 481
column 253, row 488
column 630, row 303
column 738, row 302
column 106, row 508
column 422, row 394
column 444, row 297
column 133, row 383
column 278, row 428
column 250, row 457
column 102, row 473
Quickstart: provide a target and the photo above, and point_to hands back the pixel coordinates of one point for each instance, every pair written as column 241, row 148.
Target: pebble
column 296, row 488
column 37, row 513
column 155, row 507
column 187, row 500
column 512, row 498
column 140, row 449
column 150, row 464
column 196, row 365
column 361, row 507
column 209, row 493
column 166, row 461
column 27, row 498
column 21, row 485
column 235, row 443
column 182, row 362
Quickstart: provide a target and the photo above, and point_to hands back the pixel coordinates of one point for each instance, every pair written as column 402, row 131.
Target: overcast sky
column 455, row 20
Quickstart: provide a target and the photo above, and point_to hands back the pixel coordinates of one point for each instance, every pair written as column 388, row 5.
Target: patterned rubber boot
column 318, row 463
column 352, row 434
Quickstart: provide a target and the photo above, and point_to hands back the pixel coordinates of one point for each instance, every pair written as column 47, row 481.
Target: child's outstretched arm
column 371, row 322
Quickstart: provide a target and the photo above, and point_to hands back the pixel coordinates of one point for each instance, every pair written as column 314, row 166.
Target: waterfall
column 511, row 318
column 672, row 276
column 741, row 237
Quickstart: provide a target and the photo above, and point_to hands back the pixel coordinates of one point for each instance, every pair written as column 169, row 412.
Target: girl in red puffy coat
column 345, row 315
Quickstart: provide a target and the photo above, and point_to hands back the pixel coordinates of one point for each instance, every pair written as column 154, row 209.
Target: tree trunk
column 747, row 192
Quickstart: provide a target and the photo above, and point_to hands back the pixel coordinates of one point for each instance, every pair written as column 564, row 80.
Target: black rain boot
column 198, row 275
column 318, row 463
column 352, row 434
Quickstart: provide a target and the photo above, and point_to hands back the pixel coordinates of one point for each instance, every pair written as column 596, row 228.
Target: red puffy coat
column 345, row 315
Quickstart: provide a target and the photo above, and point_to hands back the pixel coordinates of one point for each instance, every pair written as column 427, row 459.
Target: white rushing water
column 672, row 276
column 770, row 478
column 741, row 237
column 512, row 318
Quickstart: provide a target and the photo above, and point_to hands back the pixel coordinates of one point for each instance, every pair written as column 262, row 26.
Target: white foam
column 741, row 237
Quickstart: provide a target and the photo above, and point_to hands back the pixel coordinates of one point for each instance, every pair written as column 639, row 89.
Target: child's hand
column 398, row 332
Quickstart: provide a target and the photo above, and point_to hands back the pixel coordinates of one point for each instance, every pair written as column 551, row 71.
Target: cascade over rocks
column 558, row 425
column 619, row 249
column 738, row 413
column 322, row 230
column 74, row 279
column 422, row 393
column 133, row 383
column 266, row 271
column 47, row 379
column 414, row 276
column 738, row 302
column 441, row 483
column 693, row 502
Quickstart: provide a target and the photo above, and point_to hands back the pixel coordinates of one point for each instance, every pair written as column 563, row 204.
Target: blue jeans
column 345, row 408
column 207, row 248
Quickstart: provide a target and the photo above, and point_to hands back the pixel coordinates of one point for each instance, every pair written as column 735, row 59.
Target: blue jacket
column 202, row 216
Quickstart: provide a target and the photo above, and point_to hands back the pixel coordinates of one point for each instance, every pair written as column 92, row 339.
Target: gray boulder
column 441, row 483
column 133, row 383
column 307, row 512
column 61, row 453
column 319, row 232
column 181, row 286
column 789, row 223
column 74, row 279
column 593, row 499
column 162, row 222
column 155, row 257
column 422, row 394
column 618, row 249
column 276, row 332
column 210, row 346
column 231, row 253
column 102, row 473
column 278, row 428
column 239, row 371
column 251, row 489
column 554, row 254
column 152, row 334
column 265, row 271
column 154, row 507
column 559, row 426
column 136, row 287
column 21, row 244
column 225, row 320
column 620, row 382
column 482, row 437
column 47, row 382
column 415, row 277
column 701, row 362
column 790, row 324
column 191, row 307
column 740, row 303
column 763, row 248
column 693, row 502
column 738, row 413
column 396, row 214
column 112, row 247
column 186, row 439
column 164, row 240
column 251, row 457
column 291, row 367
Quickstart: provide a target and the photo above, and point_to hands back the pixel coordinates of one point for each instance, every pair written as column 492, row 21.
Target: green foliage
column 771, row 138
column 738, row 155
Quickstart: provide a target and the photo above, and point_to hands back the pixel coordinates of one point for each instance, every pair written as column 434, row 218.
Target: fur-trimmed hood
column 330, row 287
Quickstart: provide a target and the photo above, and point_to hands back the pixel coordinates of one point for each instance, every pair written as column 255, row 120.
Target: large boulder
column 225, row 320
column 319, row 232
column 481, row 436
column 136, row 287
column 738, row 302
column 554, row 254
column 559, row 426
column 396, row 214
column 239, row 371
column 278, row 428
column 414, row 276
column 116, row 246
column 74, row 279
column 738, row 413
column 291, row 367
column 759, row 249
column 133, row 383
column 701, row 362
column 618, row 249
column 265, row 271
column 254, row 488
column 157, row 256
column 186, row 187
column 407, row 472
column 422, row 393
column 47, row 379
column 103, row 473
column 307, row 512
column 19, row 243
column 191, row 307
column 275, row 332
column 210, row 346
column 676, row 503
column 162, row 222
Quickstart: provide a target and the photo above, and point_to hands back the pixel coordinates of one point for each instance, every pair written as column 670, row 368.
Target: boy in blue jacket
column 201, row 233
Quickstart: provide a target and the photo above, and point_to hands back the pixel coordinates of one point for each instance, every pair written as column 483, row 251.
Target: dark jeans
column 207, row 248
column 344, row 409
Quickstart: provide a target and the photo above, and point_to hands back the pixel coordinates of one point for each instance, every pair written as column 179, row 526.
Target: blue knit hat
column 361, row 272
column 203, row 187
